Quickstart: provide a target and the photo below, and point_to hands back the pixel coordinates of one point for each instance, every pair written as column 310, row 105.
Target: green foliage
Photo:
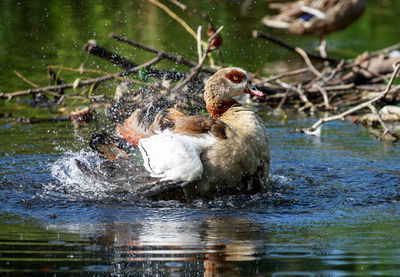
column 143, row 75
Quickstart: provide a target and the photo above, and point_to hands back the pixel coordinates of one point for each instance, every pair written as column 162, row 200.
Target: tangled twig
column 367, row 104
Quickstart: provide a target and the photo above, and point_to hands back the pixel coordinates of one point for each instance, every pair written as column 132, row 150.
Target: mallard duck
column 318, row 17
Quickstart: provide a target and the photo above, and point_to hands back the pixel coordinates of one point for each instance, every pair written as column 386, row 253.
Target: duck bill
column 253, row 91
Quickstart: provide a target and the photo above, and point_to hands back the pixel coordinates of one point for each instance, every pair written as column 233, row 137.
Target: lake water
column 332, row 209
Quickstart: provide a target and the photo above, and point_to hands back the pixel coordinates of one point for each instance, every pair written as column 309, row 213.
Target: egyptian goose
column 316, row 17
column 225, row 153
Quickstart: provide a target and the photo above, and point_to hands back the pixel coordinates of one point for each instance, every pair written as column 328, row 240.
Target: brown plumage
column 235, row 160
column 316, row 17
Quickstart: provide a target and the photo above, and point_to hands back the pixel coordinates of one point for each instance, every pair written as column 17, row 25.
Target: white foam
column 72, row 180
column 279, row 179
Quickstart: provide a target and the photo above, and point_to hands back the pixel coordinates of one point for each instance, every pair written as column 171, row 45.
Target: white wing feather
column 173, row 156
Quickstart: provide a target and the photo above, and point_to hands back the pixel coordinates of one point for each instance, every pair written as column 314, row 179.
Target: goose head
column 223, row 86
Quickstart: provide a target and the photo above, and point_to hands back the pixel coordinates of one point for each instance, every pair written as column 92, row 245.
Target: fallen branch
column 93, row 48
column 386, row 50
column 169, row 56
column 83, row 83
column 258, row 34
column 358, row 107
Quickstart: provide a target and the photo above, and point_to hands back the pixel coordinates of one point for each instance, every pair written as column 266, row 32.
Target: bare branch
column 83, row 83
column 324, row 96
column 197, row 68
column 93, row 48
column 169, row 56
column 304, row 55
column 257, row 34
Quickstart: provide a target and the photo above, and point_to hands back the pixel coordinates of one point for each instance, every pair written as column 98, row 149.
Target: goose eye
column 235, row 76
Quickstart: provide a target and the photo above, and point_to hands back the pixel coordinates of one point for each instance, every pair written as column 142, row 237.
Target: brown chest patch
column 216, row 109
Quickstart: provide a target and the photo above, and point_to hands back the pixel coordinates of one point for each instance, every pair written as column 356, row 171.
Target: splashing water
column 72, row 180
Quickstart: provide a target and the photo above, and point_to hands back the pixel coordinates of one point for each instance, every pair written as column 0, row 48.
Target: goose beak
column 253, row 91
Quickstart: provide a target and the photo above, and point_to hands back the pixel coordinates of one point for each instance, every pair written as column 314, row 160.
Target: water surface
column 331, row 210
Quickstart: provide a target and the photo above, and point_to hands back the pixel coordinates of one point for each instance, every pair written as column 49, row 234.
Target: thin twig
column 324, row 96
column 322, row 80
column 80, row 70
column 335, row 88
column 304, row 55
column 216, row 33
column 302, row 96
column 283, row 75
column 197, row 68
column 386, row 129
column 176, row 17
column 198, row 42
column 193, row 73
column 333, row 73
column 25, row 79
column 88, row 70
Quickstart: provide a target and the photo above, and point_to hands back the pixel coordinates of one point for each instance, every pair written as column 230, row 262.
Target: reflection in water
column 210, row 246
column 152, row 247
